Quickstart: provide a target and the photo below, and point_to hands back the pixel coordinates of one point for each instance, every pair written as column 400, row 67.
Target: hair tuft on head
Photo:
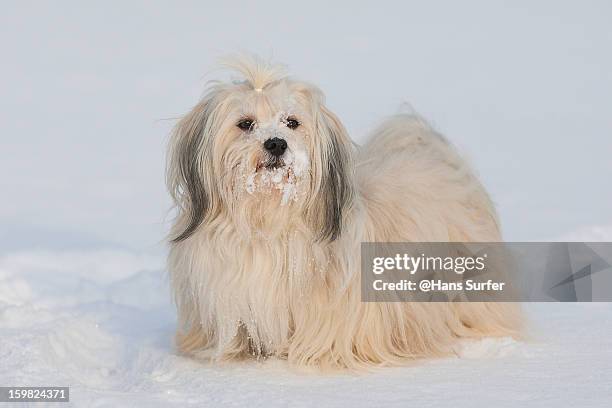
column 256, row 71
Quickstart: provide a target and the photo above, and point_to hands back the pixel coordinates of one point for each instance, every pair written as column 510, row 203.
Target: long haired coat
column 265, row 249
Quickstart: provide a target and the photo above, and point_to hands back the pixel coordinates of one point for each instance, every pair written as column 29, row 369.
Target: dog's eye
column 245, row 124
column 292, row 123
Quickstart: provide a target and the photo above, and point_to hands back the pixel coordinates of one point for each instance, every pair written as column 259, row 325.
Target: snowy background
column 90, row 92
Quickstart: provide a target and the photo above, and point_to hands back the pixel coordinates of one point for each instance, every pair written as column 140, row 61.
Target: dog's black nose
column 276, row 146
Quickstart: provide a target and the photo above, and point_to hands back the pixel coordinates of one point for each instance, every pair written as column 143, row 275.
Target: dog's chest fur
column 254, row 287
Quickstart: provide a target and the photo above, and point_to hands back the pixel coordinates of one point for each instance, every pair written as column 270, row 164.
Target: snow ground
column 101, row 322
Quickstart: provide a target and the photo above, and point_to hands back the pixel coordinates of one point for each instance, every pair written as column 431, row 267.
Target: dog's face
column 263, row 154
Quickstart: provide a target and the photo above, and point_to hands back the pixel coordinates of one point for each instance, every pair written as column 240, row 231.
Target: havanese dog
column 273, row 201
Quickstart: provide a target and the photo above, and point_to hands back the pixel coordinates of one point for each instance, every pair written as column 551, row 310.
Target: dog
column 273, row 200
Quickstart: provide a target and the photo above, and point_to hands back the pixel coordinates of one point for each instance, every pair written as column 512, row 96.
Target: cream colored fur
column 261, row 275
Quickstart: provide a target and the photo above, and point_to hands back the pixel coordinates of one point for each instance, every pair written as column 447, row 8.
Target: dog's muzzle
column 275, row 146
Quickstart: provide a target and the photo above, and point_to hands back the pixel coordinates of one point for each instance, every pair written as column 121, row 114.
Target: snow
column 84, row 130
column 266, row 181
column 101, row 322
column 594, row 233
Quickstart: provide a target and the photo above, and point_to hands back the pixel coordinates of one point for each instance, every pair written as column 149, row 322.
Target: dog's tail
column 401, row 134
column 409, row 167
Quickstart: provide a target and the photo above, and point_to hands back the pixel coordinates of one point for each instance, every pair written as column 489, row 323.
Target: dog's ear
column 336, row 186
column 187, row 169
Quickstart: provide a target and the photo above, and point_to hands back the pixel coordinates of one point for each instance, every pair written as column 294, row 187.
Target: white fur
column 271, row 267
